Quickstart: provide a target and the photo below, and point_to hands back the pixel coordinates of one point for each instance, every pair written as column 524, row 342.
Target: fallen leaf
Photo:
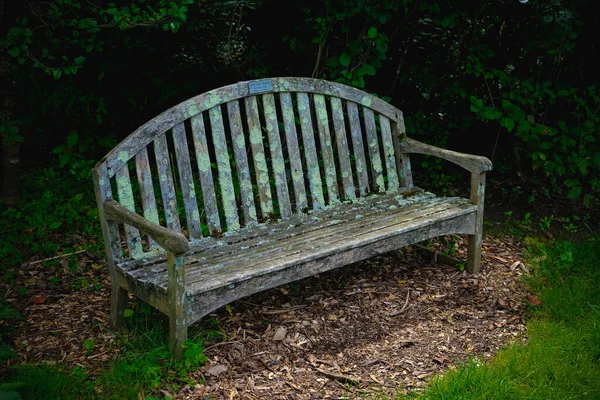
column 440, row 359
column 533, row 300
column 280, row 333
column 38, row 299
column 216, row 370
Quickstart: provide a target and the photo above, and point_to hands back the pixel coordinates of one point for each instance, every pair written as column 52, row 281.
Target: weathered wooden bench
column 287, row 178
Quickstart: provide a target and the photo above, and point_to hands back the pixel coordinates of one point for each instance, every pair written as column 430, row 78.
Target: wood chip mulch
column 379, row 326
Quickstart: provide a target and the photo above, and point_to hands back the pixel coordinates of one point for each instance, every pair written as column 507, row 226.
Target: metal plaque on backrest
column 261, row 86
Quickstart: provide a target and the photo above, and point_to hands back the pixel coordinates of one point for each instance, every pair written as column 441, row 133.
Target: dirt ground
column 379, row 326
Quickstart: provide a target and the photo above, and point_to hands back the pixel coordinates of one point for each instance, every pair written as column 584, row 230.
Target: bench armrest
column 474, row 164
column 171, row 241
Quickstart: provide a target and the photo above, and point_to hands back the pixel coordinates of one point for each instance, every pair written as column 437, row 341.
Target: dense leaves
column 513, row 80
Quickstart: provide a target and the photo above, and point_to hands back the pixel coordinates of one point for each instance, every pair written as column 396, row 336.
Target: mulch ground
column 378, row 326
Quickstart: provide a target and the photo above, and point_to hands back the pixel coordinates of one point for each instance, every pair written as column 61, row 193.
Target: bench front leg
column 474, row 246
column 177, row 299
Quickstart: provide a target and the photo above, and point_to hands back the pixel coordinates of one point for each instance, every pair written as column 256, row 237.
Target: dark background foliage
column 514, row 80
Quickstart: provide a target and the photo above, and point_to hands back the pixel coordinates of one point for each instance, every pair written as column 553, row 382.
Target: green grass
column 561, row 359
column 144, row 366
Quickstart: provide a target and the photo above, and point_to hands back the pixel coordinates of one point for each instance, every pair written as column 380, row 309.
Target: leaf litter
column 383, row 325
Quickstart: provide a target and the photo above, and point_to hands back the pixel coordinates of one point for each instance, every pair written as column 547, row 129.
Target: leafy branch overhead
column 512, row 80
column 74, row 27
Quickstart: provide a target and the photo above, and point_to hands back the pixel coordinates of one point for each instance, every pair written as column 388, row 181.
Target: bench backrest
column 249, row 152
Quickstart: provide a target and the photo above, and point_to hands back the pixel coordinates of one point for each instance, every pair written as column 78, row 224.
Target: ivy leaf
column 55, row 225
column 572, row 182
column 575, row 192
column 372, row 33
column 563, row 126
column 368, row 69
column 72, row 139
column 128, row 313
column 14, row 52
column 345, row 59
column 381, row 46
column 508, row 123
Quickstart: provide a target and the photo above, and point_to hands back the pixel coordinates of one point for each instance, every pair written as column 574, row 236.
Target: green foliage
column 353, row 31
column 30, row 382
column 7, row 315
column 54, row 205
column 505, row 76
column 144, row 366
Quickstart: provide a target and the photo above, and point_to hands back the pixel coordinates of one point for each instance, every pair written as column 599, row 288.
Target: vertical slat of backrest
column 388, row 153
column 165, row 178
column 224, row 169
column 186, row 180
column 405, row 170
column 241, row 161
column 373, row 145
column 144, row 175
column 342, row 148
column 132, row 235
column 209, row 197
column 291, row 135
column 358, row 148
column 110, row 229
column 283, row 196
column 310, row 151
column 326, row 148
column 402, row 159
column 258, row 152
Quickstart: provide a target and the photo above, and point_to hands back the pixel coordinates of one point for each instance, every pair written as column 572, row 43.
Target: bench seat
column 257, row 258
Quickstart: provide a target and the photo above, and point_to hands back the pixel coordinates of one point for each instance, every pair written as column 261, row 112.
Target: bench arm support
column 474, row 164
column 173, row 242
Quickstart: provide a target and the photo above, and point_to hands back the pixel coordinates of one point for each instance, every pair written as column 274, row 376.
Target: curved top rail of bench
column 146, row 133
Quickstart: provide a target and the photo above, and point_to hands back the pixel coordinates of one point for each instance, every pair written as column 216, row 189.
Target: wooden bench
column 261, row 183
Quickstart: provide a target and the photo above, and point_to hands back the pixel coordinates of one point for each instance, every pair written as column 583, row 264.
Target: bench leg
column 474, row 253
column 474, row 246
column 177, row 305
column 178, row 335
column 118, row 302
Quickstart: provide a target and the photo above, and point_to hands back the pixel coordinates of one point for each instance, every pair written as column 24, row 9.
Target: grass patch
column 561, row 359
column 144, row 366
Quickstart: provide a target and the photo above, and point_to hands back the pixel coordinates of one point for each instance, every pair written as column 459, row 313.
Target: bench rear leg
column 118, row 302
column 474, row 245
